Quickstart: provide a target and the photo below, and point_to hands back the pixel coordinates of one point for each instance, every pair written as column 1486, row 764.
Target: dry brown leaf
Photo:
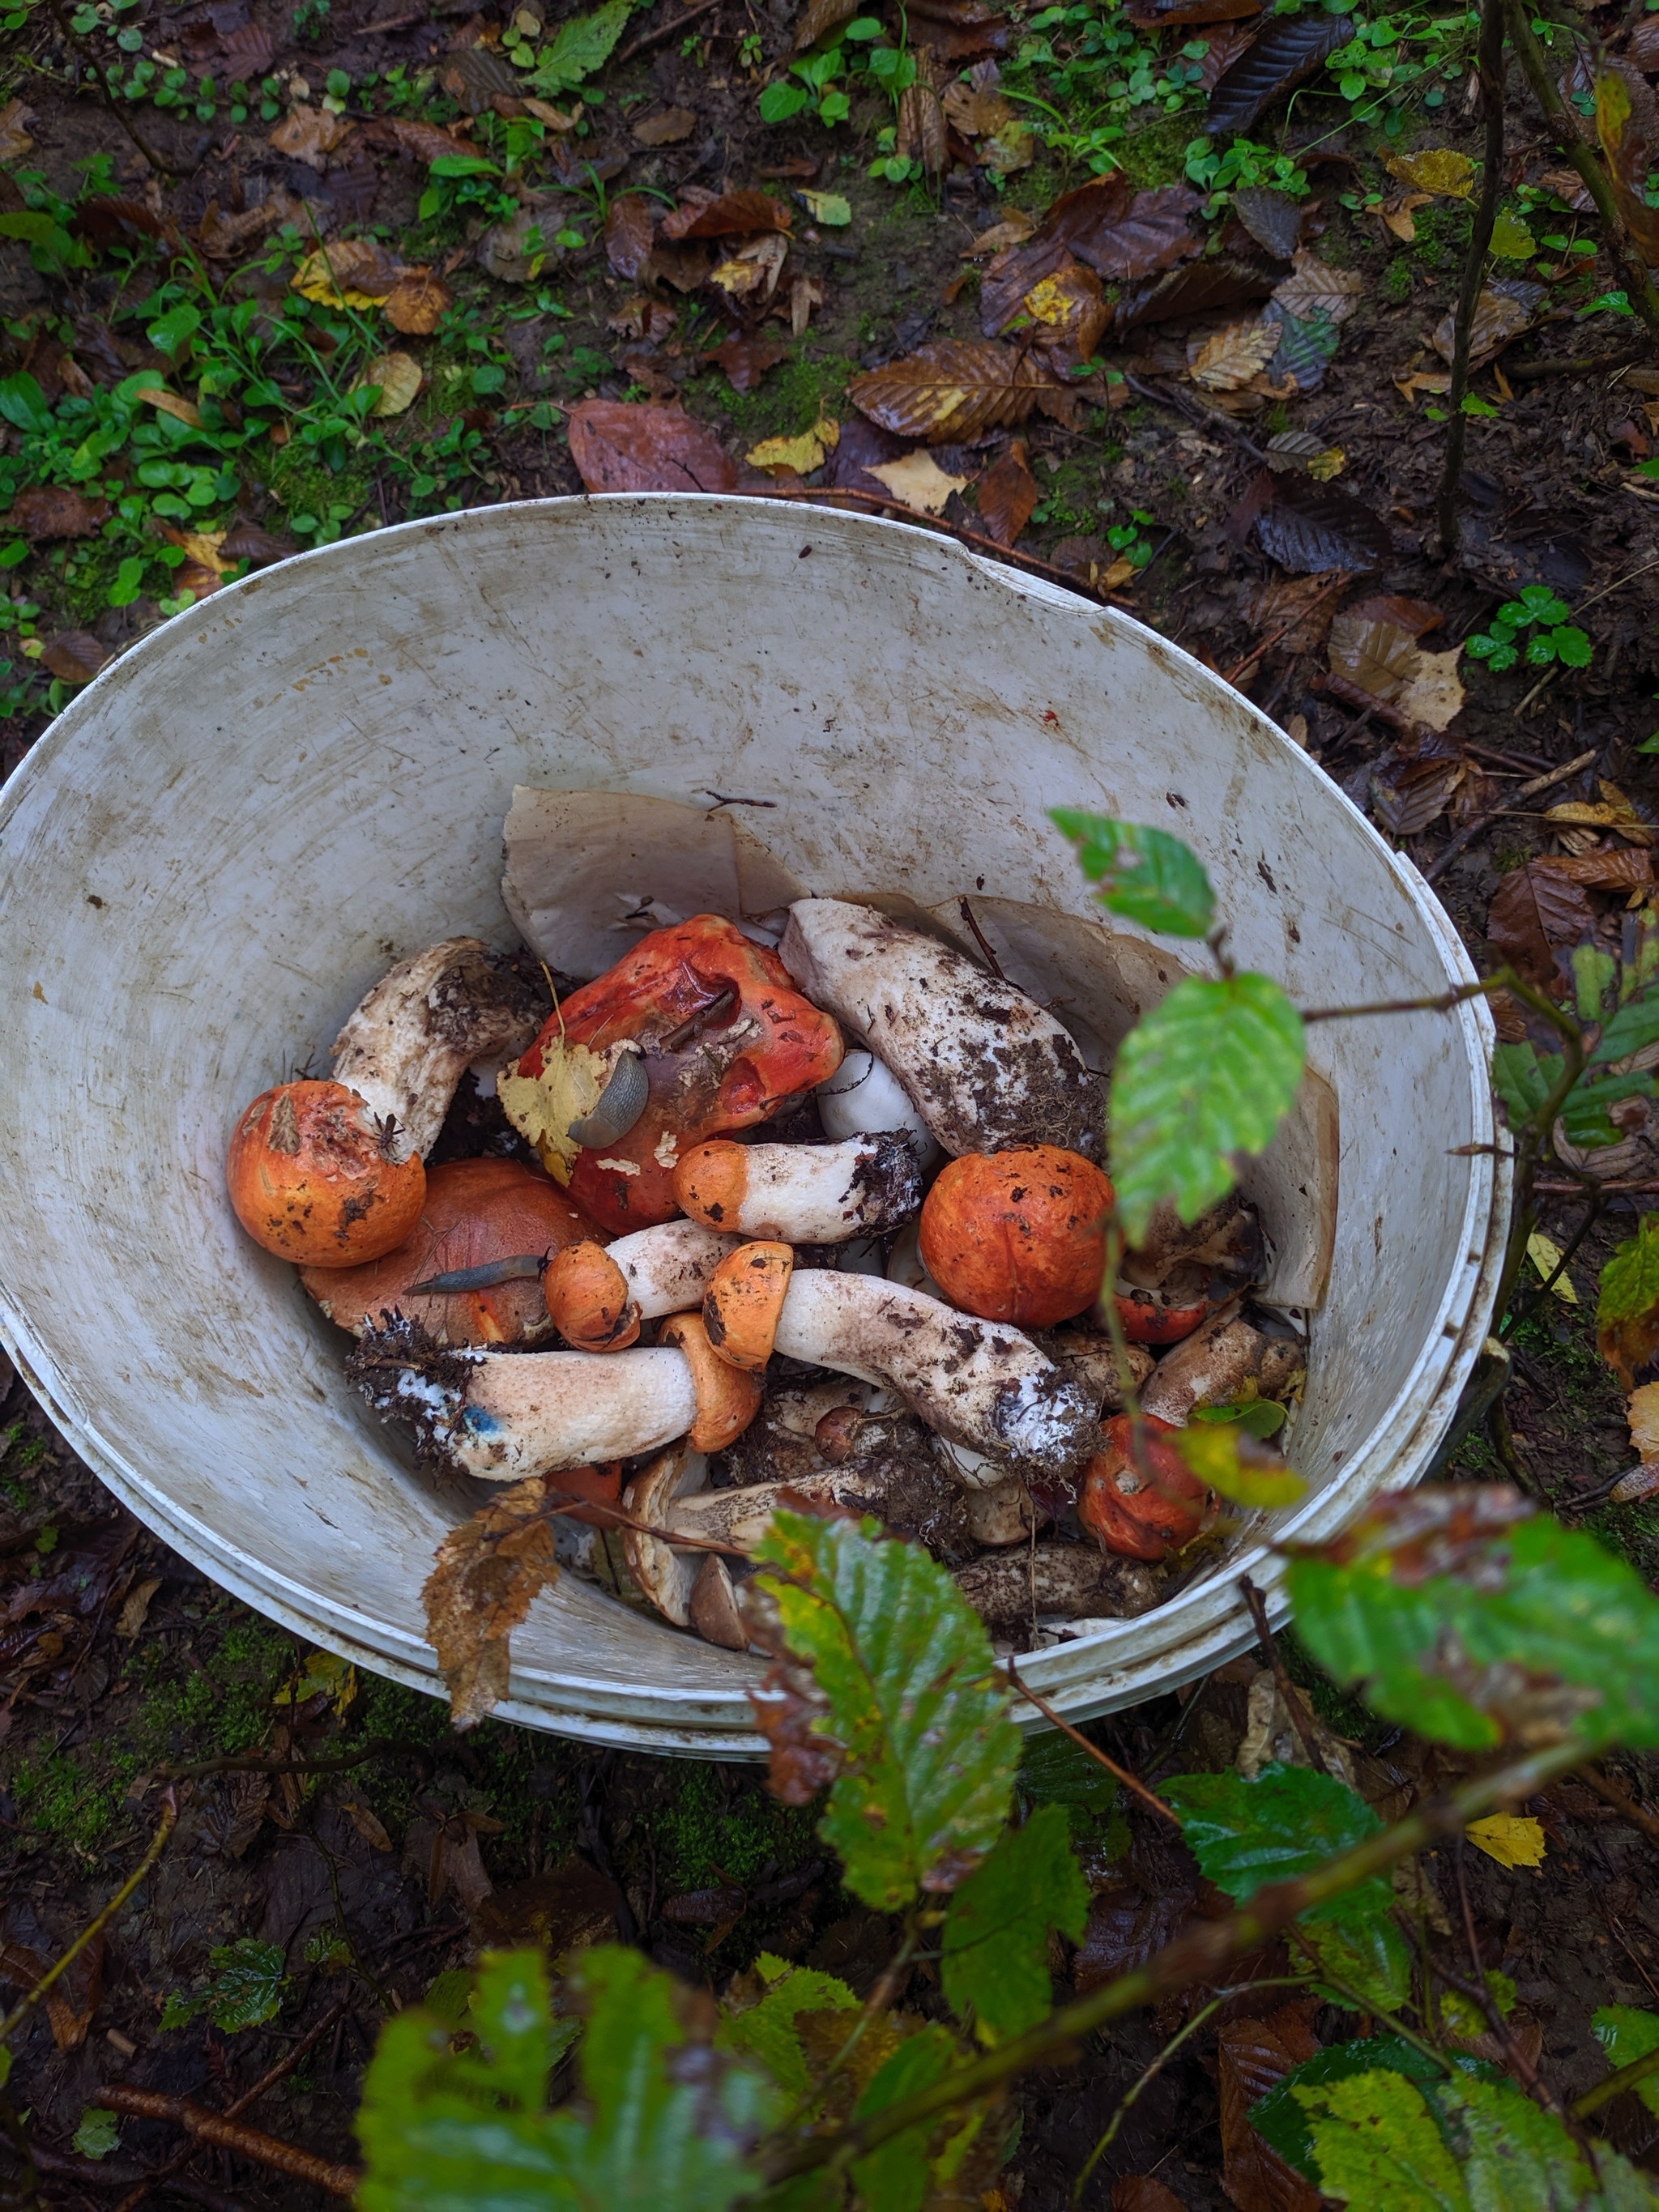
column 1432, row 694
column 630, row 232
column 398, row 375
column 45, row 512
column 921, row 132
column 1305, row 602
column 1380, row 658
column 310, row 135
column 1536, row 910
column 806, row 293
column 168, row 403
column 619, row 445
column 1069, row 314
column 1229, row 359
column 1505, row 308
column 1313, row 287
column 703, row 214
column 1144, row 2192
column 1417, row 616
column 745, row 361
column 75, row 655
column 417, row 303
column 1567, row 184
column 666, row 129
column 1643, row 1416
column 219, row 236
column 1014, row 230
column 918, row 480
column 15, row 140
column 754, row 267
column 366, row 1823
column 488, row 1570
column 953, row 390
column 353, row 272
column 135, row 1607
column 1007, row 495
column 425, row 141
column 975, row 113
column 1399, row 214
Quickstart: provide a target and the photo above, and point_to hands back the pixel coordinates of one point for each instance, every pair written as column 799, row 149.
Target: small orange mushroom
column 1018, row 1236
column 586, row 1295
column 591, row 1490
column 1157, row 1316
column 746, row 1295
column 315, row 1178
column 727, row 1398
column 1141, row 1508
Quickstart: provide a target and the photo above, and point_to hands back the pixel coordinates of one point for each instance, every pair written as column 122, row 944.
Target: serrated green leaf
column 1377, row 2148
column 1517, row 2158
column 98, row 2134
column 1595, row 972
column 1225, row 1458
column 1372, row 1957
column 895, row 2176
column 1537, row 1628
column 1286, row 1823
column 1280, row 2120
column 1207, row 1075
column 1627, row 2033
column 767, row 2031
column 1144, row 874
column 247, row 1986
column 1523, row 1080
column 1631, row 1030
column 913, row 1703
column 1055, row 1771
column 994, row 1969
column 583, row 45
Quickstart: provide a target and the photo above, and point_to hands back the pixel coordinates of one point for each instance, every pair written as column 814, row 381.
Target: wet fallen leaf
column 424, row 141
column 976, row 113
column 1288, row 49
column 1435, row 169
column 15, row 140
column 310, row 135
column 75, row 655
column 1620, row 870
column 1068, row 312
column 755, row 267
column 1007, row 495
column 918, row 480
column 488, row 1571
column 46, row 512
column 1314, row 287
column 650, row 321
column 921, row 133
column 1305, row 603
column 703, row 214
column 833, row 209
column 665, row 129
column 566, row 1908
column 1536, row 911
column 1144, row 2192
column 220, row 236
column 1399, row 214
column 1567, row 184
column 955, row 389
column 247, row 541
column 1254, row 2056
column 745, row 361
column 367, row 1823
column 1123, row 235
column 806, row 293
column 169, row 403
column 1378, row 656
column 1014, row 230
column 1227, row 361
column 204, row 549
column 1643, row 1416
column 556, row 119
column 1507, row 306
column 417, row 303
column 517, row 250
column 1199, row 289
column 1429, row 381
column 135, row 1609
column 958, row 29
column 1417, row 616
column 1313, row 529
column 1301, row 449
column 1514, row 1839
column 1158, row 15
column 1224, row 46
column 619, row 445
column 353, row 272
column 1014, row 147
column 1273, row 219
column 400, row 377
column 630, row 232
column 1627, row 124
column 800, row 455
column 1545, row 1255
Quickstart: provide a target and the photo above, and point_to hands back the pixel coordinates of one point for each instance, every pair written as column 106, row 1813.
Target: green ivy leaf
column 1472, row 1619
column 767, row 2031
column 1627, row 2033
column 248, row 1985
column 1282, row 1825
column 911, row 1697
column 1208, row 1074
column 583, row 45
column 995, row 1964
column 1144, row 874
column 1376, row 2146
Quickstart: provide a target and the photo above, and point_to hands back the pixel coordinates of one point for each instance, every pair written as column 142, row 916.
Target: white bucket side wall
column 270, row 815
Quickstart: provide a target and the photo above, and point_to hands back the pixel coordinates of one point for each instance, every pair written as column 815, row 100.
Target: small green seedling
column 1554, row 637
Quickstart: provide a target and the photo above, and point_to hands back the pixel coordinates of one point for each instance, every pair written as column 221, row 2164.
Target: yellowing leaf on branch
column 1514, row 1839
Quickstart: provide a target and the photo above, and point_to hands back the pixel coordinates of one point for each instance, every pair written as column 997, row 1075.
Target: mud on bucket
column 228, row 837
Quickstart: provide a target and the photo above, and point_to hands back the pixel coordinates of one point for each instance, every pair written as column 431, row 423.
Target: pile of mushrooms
column 889, row 1302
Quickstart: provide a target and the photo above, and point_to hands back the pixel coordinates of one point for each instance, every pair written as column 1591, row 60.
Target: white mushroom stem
column 980, row 1383
column 864, row 1098
column 666, row 1577
column 803, row 1194
column 740, row 1518
column 1217, row 1366
column 407, row 1046
column 667, row 1268
column 501, row 1416
column 985, row 1066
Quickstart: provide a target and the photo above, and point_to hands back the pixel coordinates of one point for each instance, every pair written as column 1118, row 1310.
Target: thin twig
column 1479, row 1993
column 663, row 31
column 1489, row 66
column 230, row 2135
column 1473, row 828
column 1579, row 364
column 158, row 1844
column 972, row 920
column 1287, row 1690
column 1609, row 1792
column 1148, row 1798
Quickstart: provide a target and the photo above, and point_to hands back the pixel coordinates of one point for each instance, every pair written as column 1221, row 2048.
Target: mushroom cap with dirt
column 985, row 1066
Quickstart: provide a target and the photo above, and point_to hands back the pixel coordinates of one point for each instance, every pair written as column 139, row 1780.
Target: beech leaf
column 1288, row 49
column 621, row 445
column 995, row 1967
column 488, row 1570
column 953, row 390
column 1144, row 874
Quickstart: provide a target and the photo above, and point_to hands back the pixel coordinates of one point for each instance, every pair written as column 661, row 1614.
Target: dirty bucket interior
column 228, row 837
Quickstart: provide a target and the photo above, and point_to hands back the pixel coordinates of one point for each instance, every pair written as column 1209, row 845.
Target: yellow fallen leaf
column 541, row 1107
column 554, row 117
column 1514, row 1839
column 1400, row 216
column 802, row 454
column 398, row 375
column 321, row 1673
column 1118, row 574
column 1228, row 361
column 1545, row 1255
column 1433, row 694
column 918, row 481
column 1331, row 463
column 1435, row 169
column 202, row 546
column 168, row 403
column 1643, row 1416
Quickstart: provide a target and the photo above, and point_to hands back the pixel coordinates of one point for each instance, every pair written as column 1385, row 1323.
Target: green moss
column 1397, row 279
column 1157, row 153
column 709, row 1827
column 1443, row 234
column 1343, row 1713
column 790, row 399
column 58, row 1796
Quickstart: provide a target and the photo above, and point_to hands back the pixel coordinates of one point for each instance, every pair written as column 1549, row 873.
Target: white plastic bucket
column 229, row 835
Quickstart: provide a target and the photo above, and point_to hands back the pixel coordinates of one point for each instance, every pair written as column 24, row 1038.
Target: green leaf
column 583, row 45
column 1226, row 1457
column 463, row 165
column 1471, row 1623
column 1473, row 403
column 1627, row 2033
column 247, row 1986
column 779, row 101
column 912, row 1699
column 1282, row 2121
column 1257, row 1417
column 1144, row 874
column 22, row 402
column 1208, row 1074
column 179, row 2010
column 1584, row 1110
column 895, row 2176
column 1377, row 2148
column 1516, row 2158
column 1372, row 1957
column 995, row 1964
column 1572, row 648
column 1282, row 1825
column 99, row 2133
column 1510, row 239
column 5, row 2065
column 1055, row 1771
column 1631, row 1030
column 1594, row 973
column 175, row 328
column 1629, row 1280
column 829, row 209
column 767, row 2031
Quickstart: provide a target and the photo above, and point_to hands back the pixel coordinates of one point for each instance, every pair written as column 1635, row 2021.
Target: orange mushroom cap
column 1018, row 1236
column 746, row 1296
column 727, row 1398
column 312, row 1178
column 710, row 1182
column 1144, row 1508
column 587, row 1294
